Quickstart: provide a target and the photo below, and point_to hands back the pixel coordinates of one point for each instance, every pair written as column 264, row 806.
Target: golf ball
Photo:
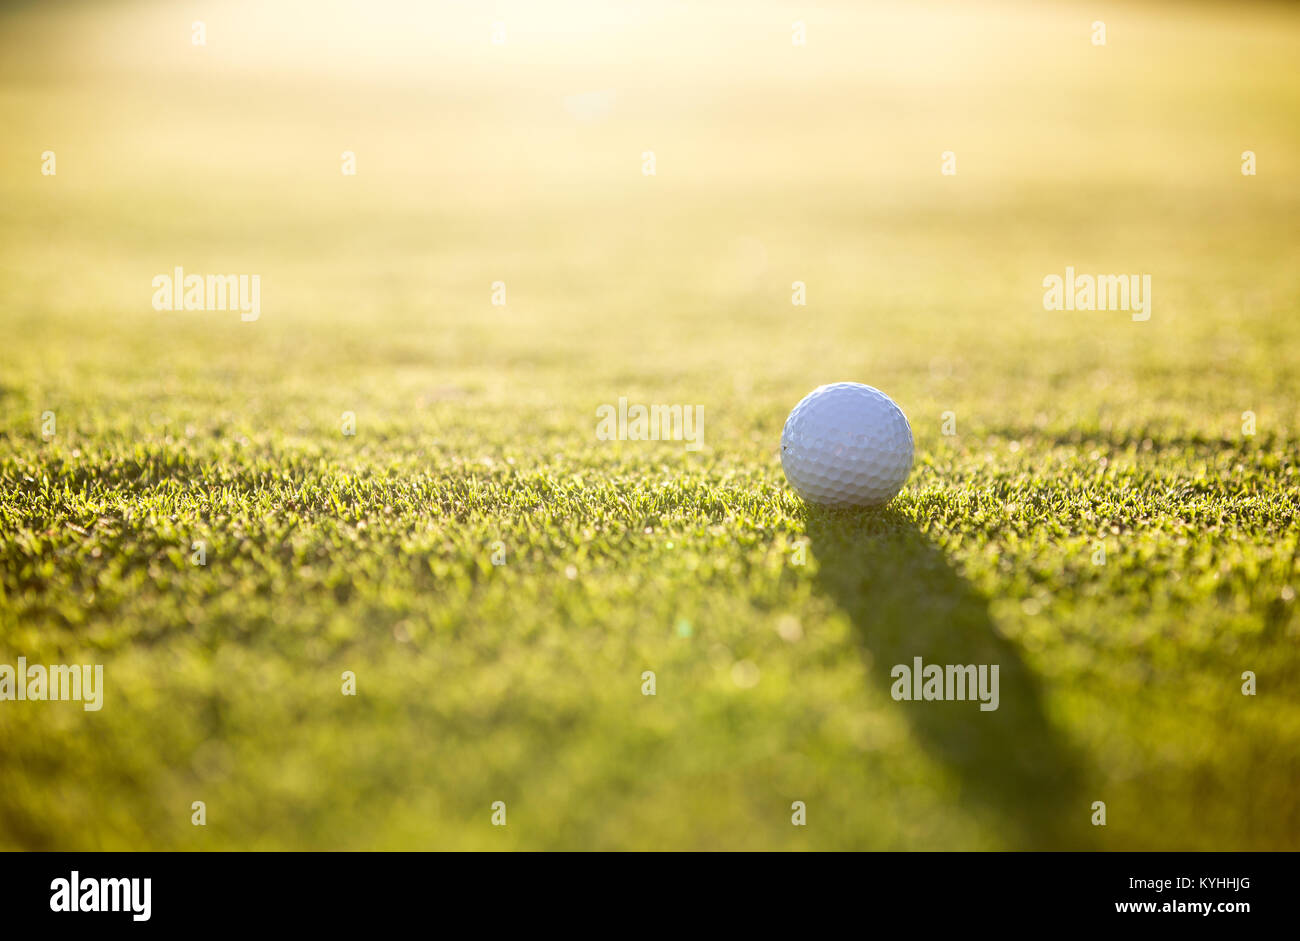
column 846, row 444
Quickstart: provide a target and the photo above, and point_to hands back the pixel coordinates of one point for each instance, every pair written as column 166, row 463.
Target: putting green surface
column 1092, row 508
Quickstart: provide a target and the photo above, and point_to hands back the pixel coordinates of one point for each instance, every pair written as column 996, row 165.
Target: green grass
column 372, row 553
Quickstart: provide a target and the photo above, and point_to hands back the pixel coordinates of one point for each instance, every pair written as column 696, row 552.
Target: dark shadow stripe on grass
column 906, row 600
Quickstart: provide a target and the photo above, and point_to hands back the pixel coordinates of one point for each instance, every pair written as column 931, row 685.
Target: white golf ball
column 847, row 444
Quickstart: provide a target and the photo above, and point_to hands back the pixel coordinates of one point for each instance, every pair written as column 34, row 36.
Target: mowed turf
column 1098, row 523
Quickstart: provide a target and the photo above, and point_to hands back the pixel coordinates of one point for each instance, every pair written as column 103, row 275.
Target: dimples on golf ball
column 847, row 444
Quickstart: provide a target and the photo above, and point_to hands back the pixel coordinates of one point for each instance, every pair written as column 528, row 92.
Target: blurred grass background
column 775, row 163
